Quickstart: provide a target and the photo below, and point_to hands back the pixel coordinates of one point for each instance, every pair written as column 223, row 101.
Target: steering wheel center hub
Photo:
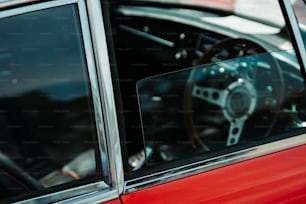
column 240, row 101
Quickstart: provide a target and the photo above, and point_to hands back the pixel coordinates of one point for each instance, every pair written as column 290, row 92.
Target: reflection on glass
column 218, row 106
column 300, row 12
column 47, row 126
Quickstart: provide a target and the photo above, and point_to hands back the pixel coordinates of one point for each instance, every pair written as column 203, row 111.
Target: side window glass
column 215, row 96
column 48, row 134
column 223, row 105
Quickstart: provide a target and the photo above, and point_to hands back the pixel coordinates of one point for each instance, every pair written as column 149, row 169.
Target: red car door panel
column 113, row 202
column 275, row 178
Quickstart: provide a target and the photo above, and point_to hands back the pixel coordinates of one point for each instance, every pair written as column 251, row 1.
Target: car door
column 268, row 167
column 56, row 143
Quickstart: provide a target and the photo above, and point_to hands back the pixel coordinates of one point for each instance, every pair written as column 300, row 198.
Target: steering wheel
column 13, row 180
column 224, row 97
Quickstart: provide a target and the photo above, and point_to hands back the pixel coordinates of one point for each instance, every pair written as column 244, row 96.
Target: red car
column 152, row 101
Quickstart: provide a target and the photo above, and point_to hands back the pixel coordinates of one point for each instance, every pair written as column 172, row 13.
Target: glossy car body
column 149, row 102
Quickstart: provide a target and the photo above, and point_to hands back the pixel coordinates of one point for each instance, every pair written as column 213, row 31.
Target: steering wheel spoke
column 211, row 95
column 235, row 131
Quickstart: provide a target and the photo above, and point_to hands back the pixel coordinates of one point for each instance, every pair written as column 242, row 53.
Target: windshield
column 265, row 10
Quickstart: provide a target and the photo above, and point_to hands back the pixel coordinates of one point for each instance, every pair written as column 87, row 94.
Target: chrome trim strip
column 212, row 163
column 106, row 92
column 81, row 191
column 296, row 29
column 35, row 7
column 147, row 35
column 94, row 88
column 92, row 198
column 99, row 191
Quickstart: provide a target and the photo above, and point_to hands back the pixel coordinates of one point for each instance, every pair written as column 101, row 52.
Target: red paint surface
column 113, row 202
column 275, row 178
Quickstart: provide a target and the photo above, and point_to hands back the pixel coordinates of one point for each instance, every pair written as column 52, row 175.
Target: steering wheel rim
column 247, row 91
column 13, row 177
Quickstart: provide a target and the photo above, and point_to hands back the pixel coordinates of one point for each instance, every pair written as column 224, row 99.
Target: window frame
column 180, row 169
column 296, row 36
column 98, row 68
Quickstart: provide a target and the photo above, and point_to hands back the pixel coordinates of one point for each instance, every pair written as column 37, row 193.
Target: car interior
column 198, row 81
column 190, row 82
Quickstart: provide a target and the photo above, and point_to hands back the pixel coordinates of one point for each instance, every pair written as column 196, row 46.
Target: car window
column 48, row 133
column 202, row 84
column 218, row 106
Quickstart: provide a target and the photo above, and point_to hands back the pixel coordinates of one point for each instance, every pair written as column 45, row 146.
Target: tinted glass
column 213, row 107
column 208, row 83
column 47, row 126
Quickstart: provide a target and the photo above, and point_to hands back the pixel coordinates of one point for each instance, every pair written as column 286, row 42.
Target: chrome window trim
column 34, row 7
column 94, row 87
column 212, row 163
column 295, row 28
column 75, row 193
column 106, row 92
column 100, row 191
column 95, row 197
